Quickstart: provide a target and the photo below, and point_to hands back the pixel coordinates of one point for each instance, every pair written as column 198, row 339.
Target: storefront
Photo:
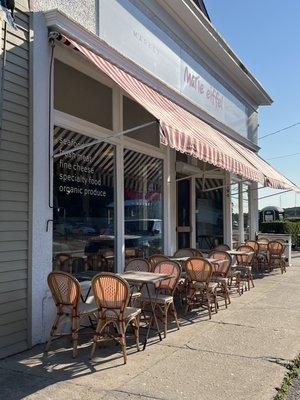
column 143, row 142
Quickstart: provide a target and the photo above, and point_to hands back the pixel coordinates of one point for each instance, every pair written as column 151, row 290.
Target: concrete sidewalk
column 240, row 354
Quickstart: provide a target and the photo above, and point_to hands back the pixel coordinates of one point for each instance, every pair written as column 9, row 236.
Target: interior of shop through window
column 143, row 204
column 209, row 213
column 83, row 203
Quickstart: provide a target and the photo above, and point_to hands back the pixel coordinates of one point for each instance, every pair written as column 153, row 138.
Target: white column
column 253, row 209
column 227, row 209
column 119, row 187
column 41, row 240
column 241, row 214
column 170, row 202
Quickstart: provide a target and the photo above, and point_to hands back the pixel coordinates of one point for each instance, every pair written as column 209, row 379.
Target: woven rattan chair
column 188, row 252
column 276, row 255
column 222, row 247
column 200, row 288
column 163, row 295
column 221, row 272
column 155, row 259
column 255, row 246
column 65, row 291
column 111, row 294
column 137, row 264
column 244, row 264
column 262, row 255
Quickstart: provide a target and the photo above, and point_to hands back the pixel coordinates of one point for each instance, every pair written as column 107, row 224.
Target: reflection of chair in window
column 188, row 252
column 130, row 252
column 62, row 262
column 222, row 247
column 108, row 260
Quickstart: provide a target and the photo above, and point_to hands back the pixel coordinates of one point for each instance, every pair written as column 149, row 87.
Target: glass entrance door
column 183, row 214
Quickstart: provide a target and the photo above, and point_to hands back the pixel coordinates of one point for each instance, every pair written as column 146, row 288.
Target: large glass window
column 83, row 204
column 209, row 213
column 143, row 202
column 235, row 214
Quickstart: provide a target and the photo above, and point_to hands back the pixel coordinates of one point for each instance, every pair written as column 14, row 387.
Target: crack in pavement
column 142, row 396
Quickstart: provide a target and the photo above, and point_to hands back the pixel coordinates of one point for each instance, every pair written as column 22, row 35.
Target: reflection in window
column 83, row 204
column 246, row 211
column 143, row 203
column 235, row 214
column 209, row 213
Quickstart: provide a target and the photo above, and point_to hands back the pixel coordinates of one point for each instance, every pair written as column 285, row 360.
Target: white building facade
column 104, row 187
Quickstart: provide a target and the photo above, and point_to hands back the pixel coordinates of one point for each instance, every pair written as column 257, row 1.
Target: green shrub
column 272, row 227
column 292, row 227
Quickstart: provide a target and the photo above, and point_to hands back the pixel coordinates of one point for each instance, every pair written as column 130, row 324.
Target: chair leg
column 136, row 330
column 173, row 309
column 123, row 340
column 208, row 304
column 52, row 332
column 216, row 301
column 251, row 279
column 75, row 328
column 227, row 293
column 99, row 328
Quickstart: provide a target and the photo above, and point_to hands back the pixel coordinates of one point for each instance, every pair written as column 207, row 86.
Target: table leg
column 154, row 316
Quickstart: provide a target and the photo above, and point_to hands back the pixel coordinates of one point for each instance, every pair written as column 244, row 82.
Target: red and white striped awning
column 184, row 131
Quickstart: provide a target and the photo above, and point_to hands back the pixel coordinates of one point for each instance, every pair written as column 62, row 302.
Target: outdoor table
column 179, row 259
column 239, row 253
column 145, row 279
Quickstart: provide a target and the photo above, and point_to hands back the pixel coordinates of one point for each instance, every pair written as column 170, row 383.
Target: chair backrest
column 245, row 259
column 222, row 247
column 62, row 261
column 275, row 248
column 199, row 270
column 155, row 259
column 65, row 288
column 263, row 244
column 188, row 252
column 137, row 264
column 221, row 269
column 111, row 292
column 253, row 244
column 168, row 267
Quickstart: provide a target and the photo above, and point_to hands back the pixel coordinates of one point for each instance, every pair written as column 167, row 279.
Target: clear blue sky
column 265, row 34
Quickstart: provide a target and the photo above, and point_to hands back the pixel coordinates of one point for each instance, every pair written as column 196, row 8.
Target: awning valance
column 185, row 132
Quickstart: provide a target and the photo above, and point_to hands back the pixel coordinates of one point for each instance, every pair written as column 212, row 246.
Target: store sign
column 124, row 27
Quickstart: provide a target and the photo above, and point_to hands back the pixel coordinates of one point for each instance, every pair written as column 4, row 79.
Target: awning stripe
column 185, row 132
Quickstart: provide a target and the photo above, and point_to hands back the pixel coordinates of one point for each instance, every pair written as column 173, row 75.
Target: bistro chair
column 276, row 255
column 222, row 247
column 262, row 256
column 221, row 272
column 188, row 252
column 163, row 296
column 65, row 291
column 137, row 264
column 107, row 260
column 155, row 259
column 244, row 264
column 201, row 290
column 111, row 294
column 255, row 246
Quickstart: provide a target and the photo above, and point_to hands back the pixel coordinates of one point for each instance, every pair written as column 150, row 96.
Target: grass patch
column 292, row 373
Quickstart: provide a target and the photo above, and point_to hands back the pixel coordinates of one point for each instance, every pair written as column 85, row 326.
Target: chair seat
column 220, row 279
column 87, row 308
column 202, row 285
column 160, row 298
column 129, row 313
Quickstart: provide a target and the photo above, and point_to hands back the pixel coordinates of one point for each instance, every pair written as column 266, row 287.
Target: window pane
column 209, row 213
column 134, row 115
column 77, row 94
column 83, row 205
column 235, row 214
column 143, row 194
